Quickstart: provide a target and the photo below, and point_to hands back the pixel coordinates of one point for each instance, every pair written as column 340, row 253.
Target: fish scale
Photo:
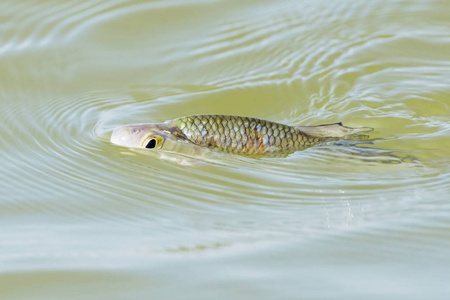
column 242, row 135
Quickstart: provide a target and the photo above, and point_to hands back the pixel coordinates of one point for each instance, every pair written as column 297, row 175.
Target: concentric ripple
column 73, row 203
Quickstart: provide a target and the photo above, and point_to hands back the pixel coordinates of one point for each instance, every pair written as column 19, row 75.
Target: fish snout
column 118, row 136
column 126, row 136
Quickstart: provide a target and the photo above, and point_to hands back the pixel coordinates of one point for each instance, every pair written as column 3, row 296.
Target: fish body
column 231, row 134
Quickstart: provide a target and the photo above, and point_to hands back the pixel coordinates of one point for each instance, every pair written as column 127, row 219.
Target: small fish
column 231, row 134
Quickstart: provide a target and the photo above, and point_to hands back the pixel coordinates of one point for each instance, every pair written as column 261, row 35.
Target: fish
column 243, row 136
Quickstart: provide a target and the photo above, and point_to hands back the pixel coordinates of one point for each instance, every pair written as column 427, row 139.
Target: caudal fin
column 336, row 130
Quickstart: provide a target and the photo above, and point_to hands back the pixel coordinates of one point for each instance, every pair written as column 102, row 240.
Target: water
column 84, row 219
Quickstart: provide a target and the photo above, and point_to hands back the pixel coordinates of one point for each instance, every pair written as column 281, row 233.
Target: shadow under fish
column 358, row 149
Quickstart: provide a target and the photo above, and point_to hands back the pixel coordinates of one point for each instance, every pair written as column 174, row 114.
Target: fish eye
column 153, row 141
column 151, row 144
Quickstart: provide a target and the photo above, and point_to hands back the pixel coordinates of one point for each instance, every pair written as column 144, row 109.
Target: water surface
column 84, row 219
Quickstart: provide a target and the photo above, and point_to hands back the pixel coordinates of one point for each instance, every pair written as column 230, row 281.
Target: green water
column 81, row 218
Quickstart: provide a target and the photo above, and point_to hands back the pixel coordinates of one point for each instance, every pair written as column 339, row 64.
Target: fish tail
column 336, row 130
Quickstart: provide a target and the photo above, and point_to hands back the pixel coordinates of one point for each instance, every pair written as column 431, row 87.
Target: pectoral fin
column 336, row 130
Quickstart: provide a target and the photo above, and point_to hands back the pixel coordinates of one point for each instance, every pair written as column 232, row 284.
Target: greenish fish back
column 244, row 136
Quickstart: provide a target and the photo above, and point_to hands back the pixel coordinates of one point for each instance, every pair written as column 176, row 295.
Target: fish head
column 151, row 136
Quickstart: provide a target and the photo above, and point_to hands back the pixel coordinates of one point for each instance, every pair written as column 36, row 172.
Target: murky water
column 84, row 219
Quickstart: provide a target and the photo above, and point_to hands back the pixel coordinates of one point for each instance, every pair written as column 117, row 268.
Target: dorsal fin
column 332, row 130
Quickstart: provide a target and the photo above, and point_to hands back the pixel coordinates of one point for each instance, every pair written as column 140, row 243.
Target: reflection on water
column 81, row 216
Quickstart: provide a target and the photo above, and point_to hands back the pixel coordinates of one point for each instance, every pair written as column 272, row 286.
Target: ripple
column 297, row 63
column 70, row 152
